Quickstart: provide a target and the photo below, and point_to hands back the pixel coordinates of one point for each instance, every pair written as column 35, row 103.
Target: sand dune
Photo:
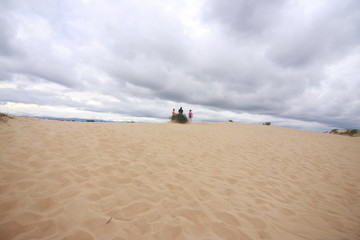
column 71, row 180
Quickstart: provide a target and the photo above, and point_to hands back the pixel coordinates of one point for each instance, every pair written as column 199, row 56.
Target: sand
column 78, row 180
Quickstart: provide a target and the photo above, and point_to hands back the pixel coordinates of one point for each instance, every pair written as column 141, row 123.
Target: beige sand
column 68, row 180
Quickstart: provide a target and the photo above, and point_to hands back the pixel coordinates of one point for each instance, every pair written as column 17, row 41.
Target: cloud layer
column 294, row 60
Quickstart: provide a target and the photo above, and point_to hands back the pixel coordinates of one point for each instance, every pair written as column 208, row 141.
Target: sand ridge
column 73, row 180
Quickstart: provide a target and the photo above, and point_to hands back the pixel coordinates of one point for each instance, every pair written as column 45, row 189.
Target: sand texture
column 78, row 180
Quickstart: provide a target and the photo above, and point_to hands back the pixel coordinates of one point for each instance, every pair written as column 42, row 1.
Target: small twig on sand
column 109, row 220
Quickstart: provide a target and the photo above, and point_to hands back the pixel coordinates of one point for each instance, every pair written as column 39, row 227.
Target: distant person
column 173, row 112
column 181, row 110
column 190, row 115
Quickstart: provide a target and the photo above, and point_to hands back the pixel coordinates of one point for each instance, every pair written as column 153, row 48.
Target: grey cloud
column 298, row 48
column 8, row 33
column 36, row 55
column 30, row 96
column 324, row 35
column 6, row 36
column 295, row 36
column 244, row 16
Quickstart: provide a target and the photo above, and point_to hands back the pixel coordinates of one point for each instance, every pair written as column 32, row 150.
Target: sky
column 294, row 63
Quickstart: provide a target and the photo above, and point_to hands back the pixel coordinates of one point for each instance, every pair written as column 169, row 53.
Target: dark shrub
column 179, row 118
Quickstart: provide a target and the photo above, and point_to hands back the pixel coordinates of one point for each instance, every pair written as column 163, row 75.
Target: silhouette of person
column 181, row 110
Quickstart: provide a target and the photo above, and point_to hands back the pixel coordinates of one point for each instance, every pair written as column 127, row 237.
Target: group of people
column 180, row 111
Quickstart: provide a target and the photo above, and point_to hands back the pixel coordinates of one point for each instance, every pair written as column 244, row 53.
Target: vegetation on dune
column 267, row 123
column 179, row 118
column 352, row 132
column 335, row 131
column 4, row 117
column 346, row 132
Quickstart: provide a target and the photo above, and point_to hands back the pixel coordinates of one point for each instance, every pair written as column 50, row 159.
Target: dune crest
column 77, row 180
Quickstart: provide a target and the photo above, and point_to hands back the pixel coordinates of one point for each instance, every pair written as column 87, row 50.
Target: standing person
column 173, row 112
column 190, row 115
column 181, row 110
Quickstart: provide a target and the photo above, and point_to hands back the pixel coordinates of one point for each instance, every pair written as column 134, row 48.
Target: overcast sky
column 295, row 63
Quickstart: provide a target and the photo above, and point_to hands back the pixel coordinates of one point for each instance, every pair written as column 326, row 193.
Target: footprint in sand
column 135, row 209
column 28, row 217
column 43, row 204
column 225, row 232
column 227, row 218
column 79, row 235
column 256, row 222
column 286, row 212
column 194, row 216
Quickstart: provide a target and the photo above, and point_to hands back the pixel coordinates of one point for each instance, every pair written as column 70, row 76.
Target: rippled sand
column 71, row 180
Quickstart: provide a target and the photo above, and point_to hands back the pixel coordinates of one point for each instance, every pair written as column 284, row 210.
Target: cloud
column 323, row 32
column 294, row 60
column 244, row 17
column 299, row 43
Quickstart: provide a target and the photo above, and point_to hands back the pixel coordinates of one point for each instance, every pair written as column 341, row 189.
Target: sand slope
column 65, row 180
